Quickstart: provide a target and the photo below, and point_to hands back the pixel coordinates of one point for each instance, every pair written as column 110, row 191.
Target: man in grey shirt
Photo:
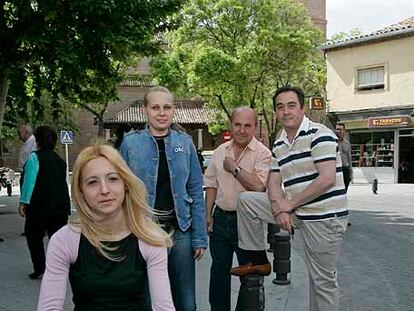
column 345, row 149
column 29, row 144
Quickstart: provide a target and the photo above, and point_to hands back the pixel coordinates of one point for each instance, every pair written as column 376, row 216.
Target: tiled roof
column 186, row 112
column 409, row 22
column 136, row 82
column 402, row 28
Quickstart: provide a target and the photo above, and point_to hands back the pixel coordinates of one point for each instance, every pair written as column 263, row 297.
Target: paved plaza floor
column 376, row 267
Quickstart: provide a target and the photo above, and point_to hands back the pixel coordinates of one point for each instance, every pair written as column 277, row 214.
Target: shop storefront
column 373, row 155
column 383, row 148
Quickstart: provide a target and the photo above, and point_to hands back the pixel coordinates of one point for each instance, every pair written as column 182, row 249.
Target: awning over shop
column 355, row 124
column 387, row 117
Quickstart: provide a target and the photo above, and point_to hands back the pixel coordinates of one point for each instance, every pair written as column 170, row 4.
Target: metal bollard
column 281, row 259
column 375, row 186
column 251, row 294
column 272, row 229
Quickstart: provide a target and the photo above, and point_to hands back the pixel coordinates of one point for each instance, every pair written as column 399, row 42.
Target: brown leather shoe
column 251, row 269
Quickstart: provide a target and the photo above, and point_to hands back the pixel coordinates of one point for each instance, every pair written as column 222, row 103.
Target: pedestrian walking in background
column 345, row 149
column 165, row 159
column 44, row 200
column 241, row 164
column 112, row 250
column 29, row 145
column 25, row 133
column 308, row 165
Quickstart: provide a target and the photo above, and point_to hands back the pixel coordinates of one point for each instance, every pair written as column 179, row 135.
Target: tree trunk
column 101, row 129
column 4, row 88
column 99, row 117
column 223, row 106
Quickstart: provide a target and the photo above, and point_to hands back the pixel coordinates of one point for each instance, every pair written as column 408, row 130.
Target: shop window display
column 372, row 149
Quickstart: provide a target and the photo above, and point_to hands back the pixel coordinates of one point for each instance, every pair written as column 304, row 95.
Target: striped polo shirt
column 313, row 143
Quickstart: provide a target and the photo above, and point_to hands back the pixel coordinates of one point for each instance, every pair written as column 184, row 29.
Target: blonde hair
column 162, row 89
column 138, row 215
column 154, row 89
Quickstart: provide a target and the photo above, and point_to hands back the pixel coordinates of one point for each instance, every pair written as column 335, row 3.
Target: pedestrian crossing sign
column 66, row 137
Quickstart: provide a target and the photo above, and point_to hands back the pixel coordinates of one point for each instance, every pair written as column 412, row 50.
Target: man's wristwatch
column 236, row 171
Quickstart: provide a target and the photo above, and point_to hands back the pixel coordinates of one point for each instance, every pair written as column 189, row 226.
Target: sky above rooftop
column 367, row 15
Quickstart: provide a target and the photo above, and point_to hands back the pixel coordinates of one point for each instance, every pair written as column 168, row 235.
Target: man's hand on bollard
column 283, row 206
column 285, row 221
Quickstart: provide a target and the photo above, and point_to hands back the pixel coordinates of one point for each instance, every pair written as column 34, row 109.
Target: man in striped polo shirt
column 305, row 180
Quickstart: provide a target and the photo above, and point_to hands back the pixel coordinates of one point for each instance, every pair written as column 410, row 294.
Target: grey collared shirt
column 27, row 148
column 345, row 150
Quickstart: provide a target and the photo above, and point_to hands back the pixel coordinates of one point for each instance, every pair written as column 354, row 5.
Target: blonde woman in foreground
column 112, row 252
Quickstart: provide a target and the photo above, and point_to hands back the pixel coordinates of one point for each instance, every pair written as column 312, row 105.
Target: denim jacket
column 140, row 151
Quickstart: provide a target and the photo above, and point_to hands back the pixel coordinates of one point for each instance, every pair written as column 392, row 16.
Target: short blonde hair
column 138, row 215
column 155, row 89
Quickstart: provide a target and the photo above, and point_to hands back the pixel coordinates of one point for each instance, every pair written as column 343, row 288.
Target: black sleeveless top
column 99, row 284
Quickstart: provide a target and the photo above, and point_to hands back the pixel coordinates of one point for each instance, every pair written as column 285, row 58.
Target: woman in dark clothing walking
column 44, row 200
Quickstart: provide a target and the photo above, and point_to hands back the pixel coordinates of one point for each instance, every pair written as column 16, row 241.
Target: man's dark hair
column 341, row 124
column 288, row 88
column 46, row 137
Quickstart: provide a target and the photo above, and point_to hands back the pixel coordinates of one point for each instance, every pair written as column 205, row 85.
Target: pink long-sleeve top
column 62, row 253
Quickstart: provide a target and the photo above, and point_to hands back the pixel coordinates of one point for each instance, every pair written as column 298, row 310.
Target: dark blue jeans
column 181, row 270
column 223, row 244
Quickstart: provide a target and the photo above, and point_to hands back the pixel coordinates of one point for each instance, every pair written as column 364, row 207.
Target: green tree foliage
column 46, row 104
column 237, row 52
column 72, row 49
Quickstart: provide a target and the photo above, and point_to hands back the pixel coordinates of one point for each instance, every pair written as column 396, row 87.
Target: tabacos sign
column 389, row 121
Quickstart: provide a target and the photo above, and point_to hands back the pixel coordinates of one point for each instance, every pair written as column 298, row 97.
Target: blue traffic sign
column 66, row 137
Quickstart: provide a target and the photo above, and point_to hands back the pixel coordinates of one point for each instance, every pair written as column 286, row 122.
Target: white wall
column 398, row 57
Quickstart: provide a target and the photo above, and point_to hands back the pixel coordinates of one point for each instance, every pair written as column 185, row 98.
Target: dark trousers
column 20, row 187
column 223, row 244
column 35, row 228
column 346, row 172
